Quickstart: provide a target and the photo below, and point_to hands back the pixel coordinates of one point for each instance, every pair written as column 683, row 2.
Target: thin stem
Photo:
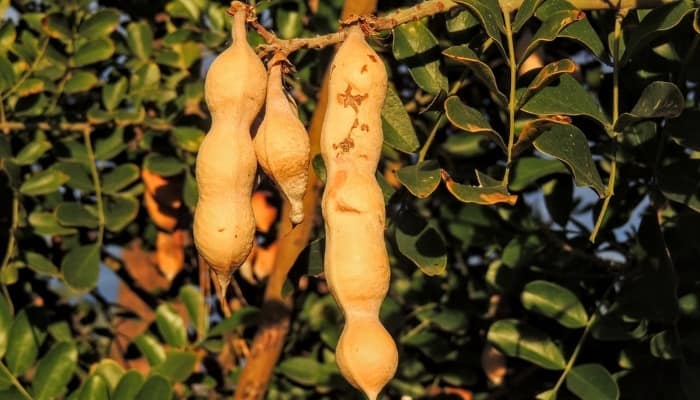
column 11, row 243
column 574, row 355
column 15, row 382
column 97, row 185
column 610, row 190
column 20, row 81
column 512, row 99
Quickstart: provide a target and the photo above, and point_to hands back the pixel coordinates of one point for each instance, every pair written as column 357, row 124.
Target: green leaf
column 682, row 129
column 665, row 346
column 463, row 54
column 120, row 211
column 109, row 370
column 108, row 147
column 658, row 100
column 56, row 26
column 95, row 387
column 32, row 152
column 470, row 120
column 55, row 370
column 416, row 46
column 459, row 21
column 79, row 81
column 150, row 348
column 420, row 179
column 178, row 365
column 29, row 87
column 678, row 181
column 101, row 23
column 46, row 223
column 81, row 267
column 93, row 51
column 525, row 12
column 489, row 13
column 119, row 178
column 517, row 339
column 527, row 170
column 7, row 74
column 568, row 98
column 188, row 138
column 592, row 382
column 554, row 301
column 488, row 192
column 140, row 39
column 654, row 24
column 289, row 22
column 79, row 175
column 569, row 144
column 545, row 76
column 396, row 124
column 5, row 323
column 128, row 386
column 422, row 243
column 302, row 370
column 155, row 388
column 75, row 214
column 550, row 29
column 43, row 182
column 163, row 165
column 244, row 317
column 580, row 31
column 23, row 342
column 171, row 326
column 113, row 93
column 191, row 7
column 196, row 307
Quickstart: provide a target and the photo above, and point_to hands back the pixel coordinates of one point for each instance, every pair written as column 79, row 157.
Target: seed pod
column 356, row 262
column 234, row 90
column 282, row 143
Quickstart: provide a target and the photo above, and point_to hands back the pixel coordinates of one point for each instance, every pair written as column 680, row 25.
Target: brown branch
column 276, row 309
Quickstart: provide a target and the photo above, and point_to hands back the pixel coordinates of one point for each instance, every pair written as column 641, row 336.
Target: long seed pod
column 356, row 261
column 282, row 143
column 234, row 90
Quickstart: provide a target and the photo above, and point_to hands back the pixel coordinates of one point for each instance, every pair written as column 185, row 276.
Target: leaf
column 178, row 365
column 302, row 370
column 119, row 178
column 568, row 98
column 81, row 267
column 683, row 129
column 150, row 348
column 459, row 21
column 171, row 326
column 108, row 147
column 7, row 74
column 592, row 382
column 678, row 181
column 46, row 223
column 95, row 387
column 422, row 243
column 568, row 144
column 93, row 51
column 244, row 317
column 554, row 301
column 470, row 120
column 658, row 100
column 79, row 81
column 421, row 179
column 6, row 318
column 140, row 39
column 463, row 54
column 128, row 386
column 75, row 214
column 517, row 339
column 525, row 12
column 155, row 388
column 32, row 152
column 119, row 212
column 396, row 124
column 109, row 370
column 580, row 31
column 487, row 193
column 162, row 165
column 43, row 182
column 188, row 138
column 527, row 170
column 196, row 307
column 533, row 129
column 29, row 87
column 101, row 23
column 79, row 175
column 550, row 29
column 415, row 45
column 665, row 346
column 654, row 24
column 113, row 93
column 55, row 370
column 491, row 18
column 544, row 76
column 23, row 342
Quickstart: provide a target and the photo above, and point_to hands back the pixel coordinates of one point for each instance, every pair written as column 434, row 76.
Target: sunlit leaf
column 658, row 100
column 420, row 179
column 554, row 301
column 517, row 339
column 415, row 45
column 470, row 120
column 487, row 193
